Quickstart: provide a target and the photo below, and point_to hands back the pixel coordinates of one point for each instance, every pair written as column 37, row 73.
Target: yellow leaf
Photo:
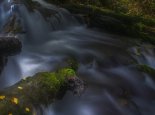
column 10, row 114
column 15, row 100
column 2, row 97
column 19, row 87
column 27, row 109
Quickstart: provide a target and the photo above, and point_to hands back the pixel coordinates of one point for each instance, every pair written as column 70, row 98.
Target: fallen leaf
column 2, row 97
column 19, row 87
column 14, row 100
column 27, row 109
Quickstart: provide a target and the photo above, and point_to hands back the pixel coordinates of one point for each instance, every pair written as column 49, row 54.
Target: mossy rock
column 41, row 89
column 146, row 69
column 137, row 27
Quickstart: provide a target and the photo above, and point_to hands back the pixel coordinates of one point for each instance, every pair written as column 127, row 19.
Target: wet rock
column 76, row 85
column 47, row 13
column 9, row 46
column 13, row 26
column 107, row 23
column 3, row 61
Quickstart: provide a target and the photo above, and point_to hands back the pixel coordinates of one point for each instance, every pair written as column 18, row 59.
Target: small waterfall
column 39, row 30
column 42, row 46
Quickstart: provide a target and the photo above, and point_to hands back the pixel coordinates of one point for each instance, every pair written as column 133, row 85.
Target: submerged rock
column 41, row 89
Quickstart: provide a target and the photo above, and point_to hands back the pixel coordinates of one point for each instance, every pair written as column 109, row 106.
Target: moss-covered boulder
column 41, row 89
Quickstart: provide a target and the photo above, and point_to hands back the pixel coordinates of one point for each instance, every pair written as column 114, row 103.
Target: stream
column 114, row 87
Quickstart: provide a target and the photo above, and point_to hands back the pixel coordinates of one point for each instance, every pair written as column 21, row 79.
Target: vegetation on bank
column 132, row 7
column 133, row 18
column 41, row 89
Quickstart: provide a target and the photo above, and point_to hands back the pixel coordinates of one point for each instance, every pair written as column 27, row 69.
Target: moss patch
column 146, row 69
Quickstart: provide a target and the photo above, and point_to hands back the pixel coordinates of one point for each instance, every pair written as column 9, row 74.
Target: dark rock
column 107, row 23
column 76, row 85
column 9, row 46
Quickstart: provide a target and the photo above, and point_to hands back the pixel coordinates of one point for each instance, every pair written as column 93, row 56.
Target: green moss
column 42, row 88
column 137, row 27
column 68, row 73
column 146, row 69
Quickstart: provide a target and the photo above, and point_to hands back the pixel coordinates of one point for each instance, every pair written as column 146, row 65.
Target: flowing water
column 114, row 87
column 5, row 12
